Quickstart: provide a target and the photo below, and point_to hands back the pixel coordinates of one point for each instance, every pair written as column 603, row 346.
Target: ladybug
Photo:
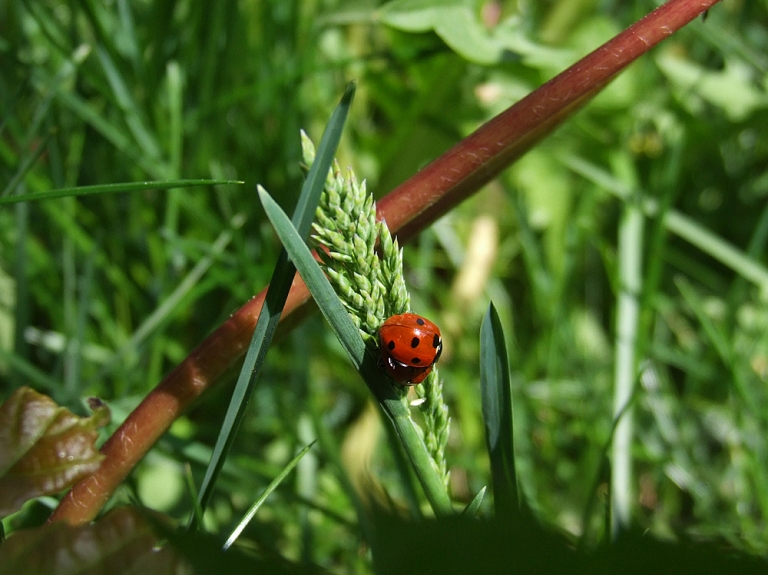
column 410, row 346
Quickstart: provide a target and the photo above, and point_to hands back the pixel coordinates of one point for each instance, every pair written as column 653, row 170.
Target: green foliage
column 498, row 414
column 102, row 295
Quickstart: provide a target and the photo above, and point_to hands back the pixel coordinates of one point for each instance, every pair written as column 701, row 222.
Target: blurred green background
column 103, row 295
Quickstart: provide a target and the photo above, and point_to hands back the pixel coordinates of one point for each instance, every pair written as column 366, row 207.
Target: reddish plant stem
column 408, row 209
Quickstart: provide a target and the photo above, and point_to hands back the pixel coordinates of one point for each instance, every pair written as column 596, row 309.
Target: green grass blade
column 349, row 337
column 172, row 300
column 722, row 343
column 274, row 301
column 497, row 413
column 113, row 189
column 313, row 276
column 123, row 95
column 22, row 313
column 23, row 169
column 471, row 509
column 189, row 480
column 678, row 224
column 630, row 246
column 263, row 497
column 112, row 133
column 24, row 372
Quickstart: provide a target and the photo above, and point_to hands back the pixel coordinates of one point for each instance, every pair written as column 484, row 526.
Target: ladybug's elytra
column 410, row 346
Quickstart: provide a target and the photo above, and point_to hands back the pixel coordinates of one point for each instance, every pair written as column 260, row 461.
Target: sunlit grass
column 103, row 295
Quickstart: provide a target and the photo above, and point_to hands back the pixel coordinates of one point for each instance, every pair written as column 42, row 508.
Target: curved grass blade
column 263, row 497
column 274, row 301
column 497, row 413
column 364, row 362
column 113, row 189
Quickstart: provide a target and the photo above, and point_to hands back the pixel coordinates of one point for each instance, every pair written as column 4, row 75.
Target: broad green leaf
column 44, row 448
column 733, row 89
column 457, row 24
column 454, row 23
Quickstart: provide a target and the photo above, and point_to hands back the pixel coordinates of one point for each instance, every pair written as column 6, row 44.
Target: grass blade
column 497, row 413
column 112, row 189
column 679, row 224
column 471, row 509
column 172, row 300
column 263, row 497
column 631, row 232
column 279, row 287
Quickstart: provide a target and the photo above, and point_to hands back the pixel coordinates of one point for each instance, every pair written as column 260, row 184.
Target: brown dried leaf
column 44, row 448
column 120, row 543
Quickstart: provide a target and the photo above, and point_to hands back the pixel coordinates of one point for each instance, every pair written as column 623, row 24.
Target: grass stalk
column 625, row 369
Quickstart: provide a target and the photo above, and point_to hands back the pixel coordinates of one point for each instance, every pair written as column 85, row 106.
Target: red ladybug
column 410, row 346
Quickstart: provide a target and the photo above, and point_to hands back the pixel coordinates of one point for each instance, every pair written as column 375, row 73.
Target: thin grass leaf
column 722, row 343
column 175, row 114
column 113, row 189
column 631, row 232
column 189, row 479
column 678, row 224
column 124, row 97
column 113, row 134
column 471, row 509
column 25, row 371
column 172, row 301
column 603, row 474
column 497, row 413
column 350, row 339
column 274, row 301
column 131, row 44
column 263, row 497
column 24, row 168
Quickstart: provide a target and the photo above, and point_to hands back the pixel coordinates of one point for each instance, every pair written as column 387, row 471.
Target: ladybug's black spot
column 419, row 321
column 416, row 360
column 439, row 350
column 436, row 341
column 391, row 345
column 415, row 342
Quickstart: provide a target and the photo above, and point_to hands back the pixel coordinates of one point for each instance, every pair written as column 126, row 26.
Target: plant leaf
column 263, row 497
column 44, row 448
column 112, row 189
column 274, row 301
column 732, row 89
column 120, row 542
column 497, row 412
column 458, row 25
column 471, row 509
